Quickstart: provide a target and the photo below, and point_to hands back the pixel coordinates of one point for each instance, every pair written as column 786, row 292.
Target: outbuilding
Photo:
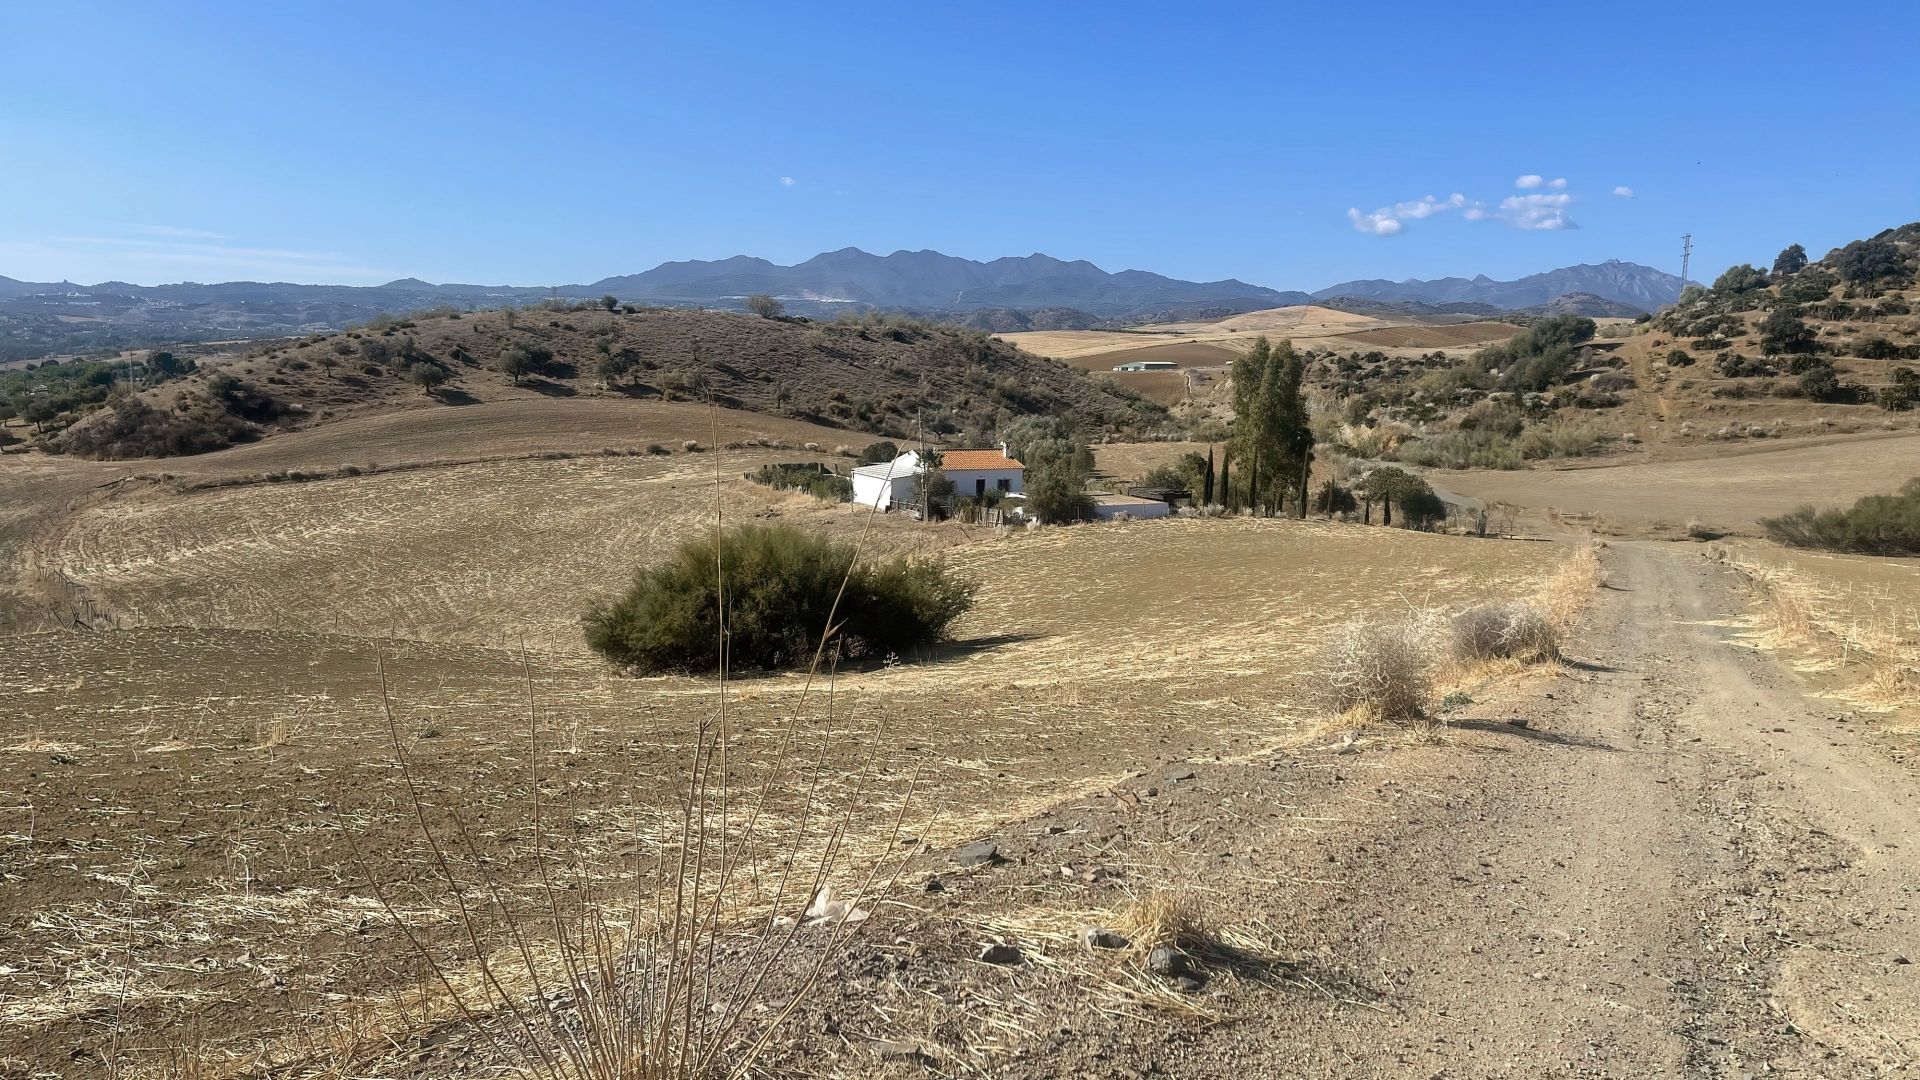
column 1108, row 507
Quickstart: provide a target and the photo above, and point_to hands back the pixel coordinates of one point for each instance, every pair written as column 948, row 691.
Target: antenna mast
column 1686, row 257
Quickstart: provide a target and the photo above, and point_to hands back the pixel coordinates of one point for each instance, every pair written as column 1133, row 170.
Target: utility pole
column 1686, row 257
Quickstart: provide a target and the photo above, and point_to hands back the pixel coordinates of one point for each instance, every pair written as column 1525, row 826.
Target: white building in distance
column 973, row 472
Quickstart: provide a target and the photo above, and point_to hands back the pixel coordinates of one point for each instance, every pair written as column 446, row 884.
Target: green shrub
column 1874, row 525
column 1904, row 394
column 782, row 586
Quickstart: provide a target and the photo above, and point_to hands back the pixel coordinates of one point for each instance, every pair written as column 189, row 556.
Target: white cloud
column 1387, row 220
column 1623, row 191
column 1535, row 211
column 1379, row 223
column 788, row 181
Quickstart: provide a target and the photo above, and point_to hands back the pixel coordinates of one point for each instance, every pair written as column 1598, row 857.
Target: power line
column 1686, row 257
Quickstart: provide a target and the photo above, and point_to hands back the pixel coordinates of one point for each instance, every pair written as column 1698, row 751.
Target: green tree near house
column 1056, row 482
column 1271, row 432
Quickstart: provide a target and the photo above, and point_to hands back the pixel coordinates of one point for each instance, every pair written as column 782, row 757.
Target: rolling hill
column 876, row 375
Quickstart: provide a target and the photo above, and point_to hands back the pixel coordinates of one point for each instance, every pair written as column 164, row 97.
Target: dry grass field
column 1304, row 326
column 1854, row 620
column 1445, row 336
column 1725, row 486
column 201, row 799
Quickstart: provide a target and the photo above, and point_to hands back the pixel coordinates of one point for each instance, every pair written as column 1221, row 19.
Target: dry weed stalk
column 1568, row 592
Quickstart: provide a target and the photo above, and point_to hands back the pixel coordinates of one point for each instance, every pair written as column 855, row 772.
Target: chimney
column 1003, row 449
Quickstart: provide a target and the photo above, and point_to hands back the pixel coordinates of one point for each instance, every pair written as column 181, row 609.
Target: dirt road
column 1682, row 866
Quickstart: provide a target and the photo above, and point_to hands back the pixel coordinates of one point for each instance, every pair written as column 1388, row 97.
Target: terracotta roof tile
column 977, row 459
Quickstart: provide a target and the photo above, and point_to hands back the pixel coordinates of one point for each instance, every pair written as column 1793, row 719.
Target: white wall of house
column 970, row 482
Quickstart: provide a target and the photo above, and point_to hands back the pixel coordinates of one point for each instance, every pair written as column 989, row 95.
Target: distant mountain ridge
column 37, row 318
column 931, row 281
column 1640, row 287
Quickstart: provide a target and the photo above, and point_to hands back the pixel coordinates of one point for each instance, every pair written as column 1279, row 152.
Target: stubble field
column 204, row 799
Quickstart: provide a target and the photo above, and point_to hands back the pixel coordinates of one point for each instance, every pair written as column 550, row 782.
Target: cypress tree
column 1206, row 482
column 1226, row 486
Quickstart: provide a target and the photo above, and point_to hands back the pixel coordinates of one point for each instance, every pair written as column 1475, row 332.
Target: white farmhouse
column 973, row 472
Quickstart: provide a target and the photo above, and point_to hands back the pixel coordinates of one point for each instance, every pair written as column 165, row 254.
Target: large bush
column 781, row 585
column 1875, row 525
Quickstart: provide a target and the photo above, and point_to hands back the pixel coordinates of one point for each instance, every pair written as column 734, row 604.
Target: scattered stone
column 1054, row 830
column 1901, row 960
column 1099, row 937
column 1168, row 961
column 1518, row 721
column 1180, row 774
column 1152, row 792
column 934, row 885
column 978, row 854
column 1000, row 953
column 1187, row 984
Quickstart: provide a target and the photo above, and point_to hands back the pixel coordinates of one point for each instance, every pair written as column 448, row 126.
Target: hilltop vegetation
column 880, row 374
column 1804, row 346
column 1821, row 330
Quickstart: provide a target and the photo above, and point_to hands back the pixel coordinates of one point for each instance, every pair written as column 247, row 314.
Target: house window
column 1004, row 484
column 980, row 485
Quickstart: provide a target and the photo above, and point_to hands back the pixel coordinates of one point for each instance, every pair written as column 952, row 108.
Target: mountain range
column 39, row 317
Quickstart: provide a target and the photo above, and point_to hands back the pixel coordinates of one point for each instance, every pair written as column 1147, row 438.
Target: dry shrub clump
column 1385, row 671
column 1514, row 630
column 1380, row 670
column 1166, row 917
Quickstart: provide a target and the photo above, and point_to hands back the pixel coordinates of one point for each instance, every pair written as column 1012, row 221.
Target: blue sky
column 1286, row 144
